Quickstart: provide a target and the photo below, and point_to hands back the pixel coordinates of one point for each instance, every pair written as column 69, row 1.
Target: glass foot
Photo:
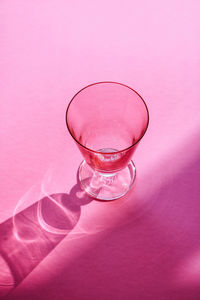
column 106, row 186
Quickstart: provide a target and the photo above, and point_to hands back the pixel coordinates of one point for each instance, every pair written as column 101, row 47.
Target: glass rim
column 102, row 82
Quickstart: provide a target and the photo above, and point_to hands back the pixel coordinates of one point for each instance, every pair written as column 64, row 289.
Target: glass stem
column 107, row 178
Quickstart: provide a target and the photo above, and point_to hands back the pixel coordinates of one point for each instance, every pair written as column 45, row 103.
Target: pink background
column 147, row 245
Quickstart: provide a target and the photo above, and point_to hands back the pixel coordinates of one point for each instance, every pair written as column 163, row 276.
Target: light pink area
column 133, row 248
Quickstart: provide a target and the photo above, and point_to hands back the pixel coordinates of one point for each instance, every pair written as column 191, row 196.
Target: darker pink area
column 140, row 257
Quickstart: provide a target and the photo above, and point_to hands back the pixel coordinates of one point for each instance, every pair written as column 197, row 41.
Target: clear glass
column 107, row 120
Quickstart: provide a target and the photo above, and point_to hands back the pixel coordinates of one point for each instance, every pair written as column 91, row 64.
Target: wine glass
column 107, row 120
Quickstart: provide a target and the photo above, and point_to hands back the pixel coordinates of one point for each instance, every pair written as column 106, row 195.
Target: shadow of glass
column 30, row 235
column 145, row 248
column 140, row 258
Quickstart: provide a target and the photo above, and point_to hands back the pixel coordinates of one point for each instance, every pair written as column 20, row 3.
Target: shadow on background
column 141, row 259
column 30, row 235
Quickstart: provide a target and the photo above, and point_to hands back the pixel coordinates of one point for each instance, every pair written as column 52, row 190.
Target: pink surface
column 145, row 246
